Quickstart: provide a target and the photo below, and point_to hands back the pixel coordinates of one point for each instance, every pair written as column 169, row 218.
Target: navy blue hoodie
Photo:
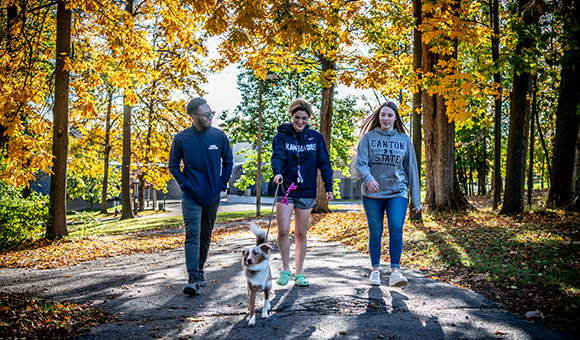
column 307, row 148
column 207, row 164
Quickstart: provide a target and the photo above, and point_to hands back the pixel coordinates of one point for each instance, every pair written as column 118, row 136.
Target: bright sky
column 222, row 93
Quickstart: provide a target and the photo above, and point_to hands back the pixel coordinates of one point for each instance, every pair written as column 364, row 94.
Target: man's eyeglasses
column 207, row 116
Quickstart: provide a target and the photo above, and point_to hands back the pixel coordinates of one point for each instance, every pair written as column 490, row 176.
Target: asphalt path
column 145, row 292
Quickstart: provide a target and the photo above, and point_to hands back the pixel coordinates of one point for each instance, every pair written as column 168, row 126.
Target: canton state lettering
column 382, row 158
column 388, row 144
column 387, row 152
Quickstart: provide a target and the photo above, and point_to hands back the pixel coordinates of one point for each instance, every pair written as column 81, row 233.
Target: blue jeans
column 198, row 223
column 396, row 209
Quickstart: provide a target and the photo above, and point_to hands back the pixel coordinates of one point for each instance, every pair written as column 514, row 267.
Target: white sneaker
column 375, row 278
column 397, row 279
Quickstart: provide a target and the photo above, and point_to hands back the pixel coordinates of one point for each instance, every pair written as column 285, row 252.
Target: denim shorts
column 303, row 203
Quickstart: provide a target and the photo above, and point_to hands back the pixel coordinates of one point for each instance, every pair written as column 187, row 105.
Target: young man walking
column 207, row 165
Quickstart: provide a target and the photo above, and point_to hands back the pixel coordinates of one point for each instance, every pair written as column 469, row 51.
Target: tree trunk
column 442, row 188
column 127, row 209
column 326, row 110
column 513, row 199
column 259, row 162
column 417, row 136
column 57, row 227
column 141, row 196
column 497, row 182
column 481, row 171
column 545, row 148
column 526, row 142
column 576, row 184
column 107, row 154
column 567, row 120
column 531, row 162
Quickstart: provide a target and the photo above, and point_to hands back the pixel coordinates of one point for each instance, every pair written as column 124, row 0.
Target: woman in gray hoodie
column 387, row 165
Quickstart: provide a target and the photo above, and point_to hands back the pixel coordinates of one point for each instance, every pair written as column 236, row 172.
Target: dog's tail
column 260, row 233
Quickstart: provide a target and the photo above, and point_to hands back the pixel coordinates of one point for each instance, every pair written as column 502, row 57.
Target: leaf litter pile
column 530, row 263
column 25, row 316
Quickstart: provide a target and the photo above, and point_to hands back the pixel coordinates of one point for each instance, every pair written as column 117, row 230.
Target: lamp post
column 271, row 76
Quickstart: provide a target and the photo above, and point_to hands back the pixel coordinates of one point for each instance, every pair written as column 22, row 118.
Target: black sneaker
column 191, row 288
column 201, row 278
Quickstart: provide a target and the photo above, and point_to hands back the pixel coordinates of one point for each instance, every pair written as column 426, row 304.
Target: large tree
column 126, row 202
column 416, row 115
column 497, row 182
column 568, row 112
column 440, row 71
column 57, row 227
column 513, row 201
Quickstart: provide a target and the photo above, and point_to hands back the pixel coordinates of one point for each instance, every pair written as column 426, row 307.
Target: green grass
column 93, row 226
column 241, row 215
column 124, row 226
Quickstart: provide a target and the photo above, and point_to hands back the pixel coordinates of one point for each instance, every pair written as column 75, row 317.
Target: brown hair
column 373, row 121
column 300, row 105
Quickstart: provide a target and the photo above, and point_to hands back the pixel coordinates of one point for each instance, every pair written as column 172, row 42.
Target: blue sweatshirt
column 307, row 149
column 207, row 164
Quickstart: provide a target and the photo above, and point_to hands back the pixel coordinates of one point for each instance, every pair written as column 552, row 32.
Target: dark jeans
column 199, row 222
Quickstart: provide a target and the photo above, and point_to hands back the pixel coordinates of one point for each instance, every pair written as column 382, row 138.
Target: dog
column 257, row 271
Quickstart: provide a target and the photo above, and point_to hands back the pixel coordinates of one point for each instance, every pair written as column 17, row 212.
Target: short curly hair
column 300, row 105
column 194, row 105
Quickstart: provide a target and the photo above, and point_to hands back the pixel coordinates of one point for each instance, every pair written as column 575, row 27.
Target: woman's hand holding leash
column 278, row 179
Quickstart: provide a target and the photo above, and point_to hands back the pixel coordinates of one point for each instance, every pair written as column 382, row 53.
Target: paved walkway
column 145, row 292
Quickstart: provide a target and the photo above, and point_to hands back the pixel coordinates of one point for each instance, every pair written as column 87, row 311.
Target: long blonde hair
column 373, row 121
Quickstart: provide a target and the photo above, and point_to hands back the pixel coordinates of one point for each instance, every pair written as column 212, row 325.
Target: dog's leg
column 266, row 307
column 252, row 305
column 248, row 297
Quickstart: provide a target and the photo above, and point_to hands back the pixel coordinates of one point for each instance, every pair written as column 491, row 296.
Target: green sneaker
column 283, row 278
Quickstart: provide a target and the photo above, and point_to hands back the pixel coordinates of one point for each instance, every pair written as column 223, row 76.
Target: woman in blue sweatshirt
column 387, row 165
column 297, row 154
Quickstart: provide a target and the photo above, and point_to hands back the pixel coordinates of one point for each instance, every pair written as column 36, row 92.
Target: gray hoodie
column 388, row 157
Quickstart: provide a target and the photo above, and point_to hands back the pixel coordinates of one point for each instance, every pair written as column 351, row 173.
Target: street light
column 271, row 76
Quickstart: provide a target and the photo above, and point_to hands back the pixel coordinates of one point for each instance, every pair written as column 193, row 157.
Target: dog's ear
column 265, row 248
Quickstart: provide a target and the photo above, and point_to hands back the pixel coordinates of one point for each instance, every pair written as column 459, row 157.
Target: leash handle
column 272, row 213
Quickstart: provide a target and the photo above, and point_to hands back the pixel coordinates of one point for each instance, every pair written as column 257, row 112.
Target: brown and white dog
column 257, row 270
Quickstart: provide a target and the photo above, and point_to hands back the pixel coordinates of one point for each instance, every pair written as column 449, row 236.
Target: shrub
column 20, row 218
